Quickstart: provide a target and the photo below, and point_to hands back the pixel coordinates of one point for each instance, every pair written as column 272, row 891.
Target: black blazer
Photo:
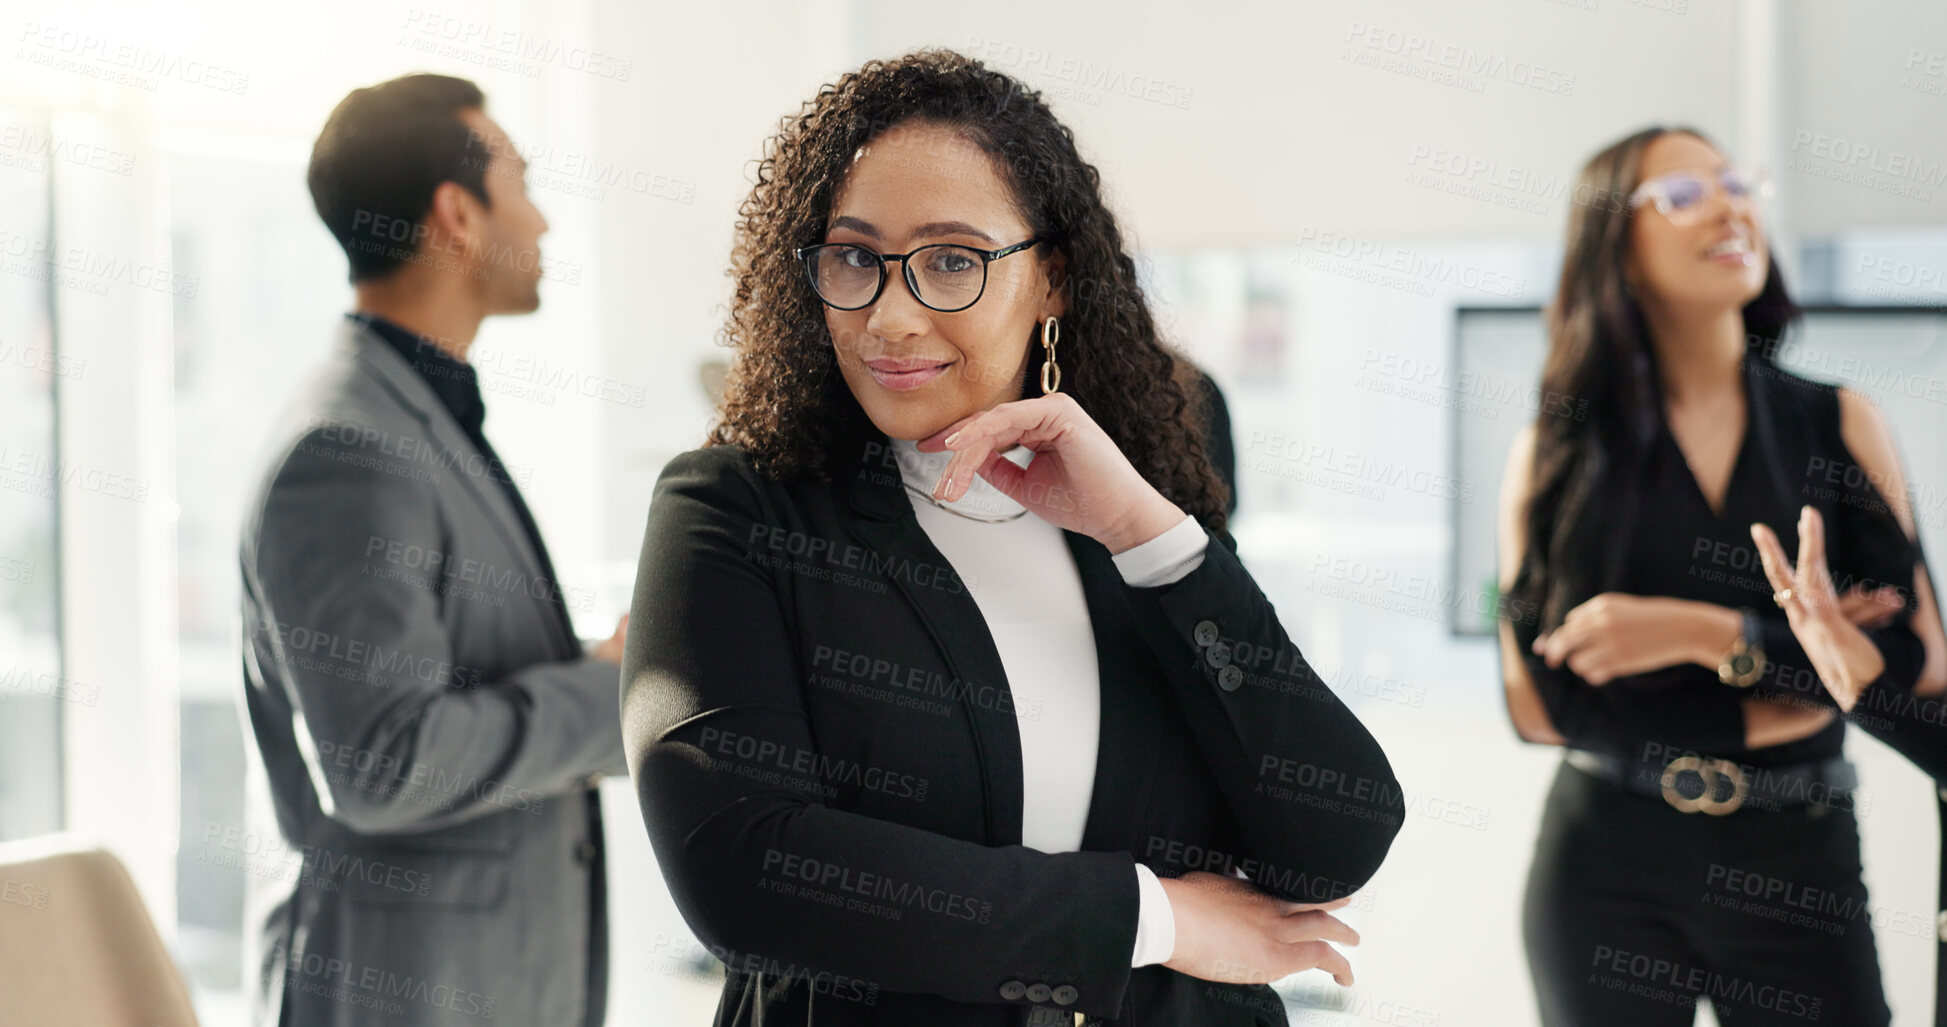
column 826, row 753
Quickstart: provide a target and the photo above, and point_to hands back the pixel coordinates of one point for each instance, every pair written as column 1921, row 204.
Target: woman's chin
column 909, row 415
column 1719, row 296
column 911, row 425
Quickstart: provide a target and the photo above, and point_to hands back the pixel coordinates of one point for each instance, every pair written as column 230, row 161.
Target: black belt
column 1703, row 784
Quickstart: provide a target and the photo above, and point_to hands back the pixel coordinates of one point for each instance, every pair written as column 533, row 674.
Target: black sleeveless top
column 1669, row 542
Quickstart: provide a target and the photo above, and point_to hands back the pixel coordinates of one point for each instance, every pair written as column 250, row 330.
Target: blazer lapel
column 1128, row 705
column 885, row 523
column 445, row 434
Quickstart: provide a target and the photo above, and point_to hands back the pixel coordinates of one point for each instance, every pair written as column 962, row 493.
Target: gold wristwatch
column 1743, row 664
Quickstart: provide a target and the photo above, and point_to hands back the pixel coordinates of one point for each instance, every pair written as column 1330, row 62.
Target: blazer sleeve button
column 1066, row 995
column 1206, row 632
column 1013, row 990
column 584, row 852
column 1229, row 678
column 1217, row 655
column 1038, row 992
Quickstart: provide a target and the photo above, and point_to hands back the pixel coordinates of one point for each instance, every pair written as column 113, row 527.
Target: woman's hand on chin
column 1078, row 478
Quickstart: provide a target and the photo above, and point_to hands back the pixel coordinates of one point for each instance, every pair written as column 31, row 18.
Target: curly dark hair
column 785, row 401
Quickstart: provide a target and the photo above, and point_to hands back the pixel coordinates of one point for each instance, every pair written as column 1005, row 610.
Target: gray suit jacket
column 426, row 723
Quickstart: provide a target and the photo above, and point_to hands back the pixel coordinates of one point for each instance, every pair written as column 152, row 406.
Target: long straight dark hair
column 1599, row 354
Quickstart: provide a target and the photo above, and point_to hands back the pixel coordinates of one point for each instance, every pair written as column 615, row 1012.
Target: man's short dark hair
column 382, row 153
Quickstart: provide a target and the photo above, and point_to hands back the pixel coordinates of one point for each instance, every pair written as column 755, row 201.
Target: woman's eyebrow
column 951, row 228
column 928, row 230
column 855, row 224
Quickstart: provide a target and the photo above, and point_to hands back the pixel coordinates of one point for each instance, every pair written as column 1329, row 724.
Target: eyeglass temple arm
column 1017, row 247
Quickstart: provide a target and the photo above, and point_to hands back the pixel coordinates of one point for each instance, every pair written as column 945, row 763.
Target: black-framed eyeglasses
column 944, row 276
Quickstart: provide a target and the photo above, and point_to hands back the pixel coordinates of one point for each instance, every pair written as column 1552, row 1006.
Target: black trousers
column 1636, row 913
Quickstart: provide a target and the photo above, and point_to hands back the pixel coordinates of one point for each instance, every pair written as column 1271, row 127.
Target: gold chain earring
column 1050, row 371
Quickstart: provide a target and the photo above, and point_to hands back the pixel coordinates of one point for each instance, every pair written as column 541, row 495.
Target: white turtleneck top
column 1024, row 581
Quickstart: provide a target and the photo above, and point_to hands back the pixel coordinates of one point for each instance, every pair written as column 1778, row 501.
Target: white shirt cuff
column 1155, row 923
column 1165, row 558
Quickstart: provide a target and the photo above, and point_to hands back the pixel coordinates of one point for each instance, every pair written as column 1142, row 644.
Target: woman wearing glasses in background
column 946, row 697
column 1695, row 692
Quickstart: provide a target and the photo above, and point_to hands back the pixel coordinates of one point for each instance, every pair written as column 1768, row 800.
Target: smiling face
column 913, row 369
column 1714, row 262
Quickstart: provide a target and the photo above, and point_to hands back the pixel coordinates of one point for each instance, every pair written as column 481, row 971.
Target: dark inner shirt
column 458, row 387
column 1672, row 544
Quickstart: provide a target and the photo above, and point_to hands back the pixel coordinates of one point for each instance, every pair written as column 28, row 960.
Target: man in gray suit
column 429, row 730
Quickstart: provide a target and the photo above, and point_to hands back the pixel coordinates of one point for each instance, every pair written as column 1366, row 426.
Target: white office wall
column 712, row 82
column 1289, row 125
column 1866, row 123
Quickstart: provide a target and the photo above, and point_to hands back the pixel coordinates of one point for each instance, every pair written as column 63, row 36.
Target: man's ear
column 454, row 214
column 1056, row 270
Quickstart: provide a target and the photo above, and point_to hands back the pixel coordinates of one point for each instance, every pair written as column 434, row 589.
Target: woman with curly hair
column 946, row 697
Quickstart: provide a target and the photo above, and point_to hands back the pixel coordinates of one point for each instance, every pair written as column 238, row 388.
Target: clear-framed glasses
column 944, row 276
column 1682, row 196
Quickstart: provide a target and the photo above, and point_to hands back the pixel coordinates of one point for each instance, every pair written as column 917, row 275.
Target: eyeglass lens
column 1686, row 191
column 944, row 276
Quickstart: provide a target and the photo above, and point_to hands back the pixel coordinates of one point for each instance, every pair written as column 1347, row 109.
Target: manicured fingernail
column 950, row 440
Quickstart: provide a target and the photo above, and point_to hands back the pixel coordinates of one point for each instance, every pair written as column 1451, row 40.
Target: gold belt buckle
column 1710, row 770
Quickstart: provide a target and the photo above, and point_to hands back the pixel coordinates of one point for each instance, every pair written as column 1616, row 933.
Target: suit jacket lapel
column 398, row 378
column 884, row 522
column 1113, row 808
